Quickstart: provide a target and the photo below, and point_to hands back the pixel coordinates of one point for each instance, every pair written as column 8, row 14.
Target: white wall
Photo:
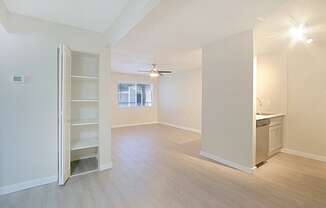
column 306, row 118
column 228, row 124
column 176, row 94
column 28, row 126
column 122, row 116
column 292, row 82
column 3, row 14
column 180, row 94
column 271, row 82
column 105, row 118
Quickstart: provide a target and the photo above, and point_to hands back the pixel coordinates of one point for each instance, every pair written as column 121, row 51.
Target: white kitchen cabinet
column 275, row 135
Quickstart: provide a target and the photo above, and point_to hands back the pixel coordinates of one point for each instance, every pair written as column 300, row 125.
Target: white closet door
column 64, row 113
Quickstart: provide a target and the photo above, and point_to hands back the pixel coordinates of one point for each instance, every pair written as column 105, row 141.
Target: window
column 130, row 95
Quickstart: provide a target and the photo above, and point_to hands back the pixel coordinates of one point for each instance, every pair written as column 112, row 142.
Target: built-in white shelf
column 84, row 100
column 84, row 77
column 84, row 143
column 84, row 123
column 85, row 80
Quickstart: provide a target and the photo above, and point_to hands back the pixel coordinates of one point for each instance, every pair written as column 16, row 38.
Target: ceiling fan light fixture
column 309, row 41
column 154, row 74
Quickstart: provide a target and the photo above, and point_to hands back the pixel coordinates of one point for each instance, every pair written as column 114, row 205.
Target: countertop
column 261, row 117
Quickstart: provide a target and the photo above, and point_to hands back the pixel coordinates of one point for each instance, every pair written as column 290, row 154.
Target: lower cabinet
column 275, row 135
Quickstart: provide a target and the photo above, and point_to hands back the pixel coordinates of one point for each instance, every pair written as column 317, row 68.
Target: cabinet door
column 275, row 138
column 64, row 75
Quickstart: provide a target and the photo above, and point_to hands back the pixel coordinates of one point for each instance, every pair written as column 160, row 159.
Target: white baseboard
column 105, row 166
column 155, row 122
column 134, row 124
column 27, row 184
column 227, row 162
column 85, row 173
column 181, row 127
column 303, row 154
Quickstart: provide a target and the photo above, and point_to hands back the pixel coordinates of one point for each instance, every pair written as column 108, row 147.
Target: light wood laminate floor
column 159, row 166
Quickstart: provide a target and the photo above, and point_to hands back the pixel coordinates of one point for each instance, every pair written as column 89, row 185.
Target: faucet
column 260, row 110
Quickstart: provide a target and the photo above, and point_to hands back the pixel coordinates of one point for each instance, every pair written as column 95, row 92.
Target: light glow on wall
column 297, row 33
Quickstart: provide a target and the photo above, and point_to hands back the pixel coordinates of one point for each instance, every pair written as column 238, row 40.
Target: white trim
column 27, row 184
column 134, row 124
column 181, row 127
column 84, row 173
column 85, row 77
column 304, row 154
column 4, row 13
column 84, row 157
column 227, row 162
column 156, row 122
column 106, row 166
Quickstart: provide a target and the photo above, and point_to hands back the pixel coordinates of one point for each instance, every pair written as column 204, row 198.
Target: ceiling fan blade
column 164, row 72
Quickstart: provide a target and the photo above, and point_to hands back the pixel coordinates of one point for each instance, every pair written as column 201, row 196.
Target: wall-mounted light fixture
column 298, row 34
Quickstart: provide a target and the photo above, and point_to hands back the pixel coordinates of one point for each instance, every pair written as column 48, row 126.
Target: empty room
column 162, row 103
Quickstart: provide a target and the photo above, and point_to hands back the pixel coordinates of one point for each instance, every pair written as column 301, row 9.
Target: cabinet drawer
column 276, row 121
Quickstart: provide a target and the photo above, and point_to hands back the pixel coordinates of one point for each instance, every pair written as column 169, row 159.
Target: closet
column 78, row 107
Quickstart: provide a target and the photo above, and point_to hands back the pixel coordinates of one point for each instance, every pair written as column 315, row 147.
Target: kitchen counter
column 268, row 116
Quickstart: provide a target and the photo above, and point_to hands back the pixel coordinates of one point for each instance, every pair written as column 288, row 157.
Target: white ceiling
column 93, row 15
column 173, row 33
column 130, row 62
column 177, row 28
column 272, row 33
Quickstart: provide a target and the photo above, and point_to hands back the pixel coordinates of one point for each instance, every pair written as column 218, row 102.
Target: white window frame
column 135, row 84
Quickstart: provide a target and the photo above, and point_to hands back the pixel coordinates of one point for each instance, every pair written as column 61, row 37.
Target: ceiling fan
column 154, row 72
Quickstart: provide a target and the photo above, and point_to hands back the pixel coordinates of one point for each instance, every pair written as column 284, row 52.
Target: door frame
column 60, row 113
